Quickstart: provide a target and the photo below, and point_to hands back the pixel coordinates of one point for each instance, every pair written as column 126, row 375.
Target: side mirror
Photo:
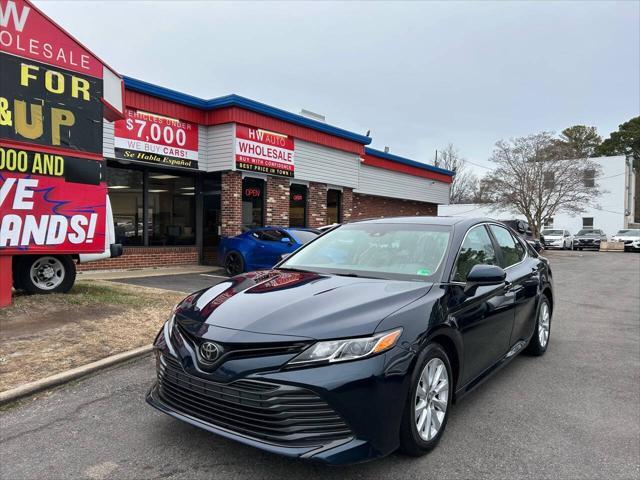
column 286, row 240
column 528, row 231
column 482, row 275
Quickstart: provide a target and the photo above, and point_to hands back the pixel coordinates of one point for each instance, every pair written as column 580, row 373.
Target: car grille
column 243, row 350
column 280, row 414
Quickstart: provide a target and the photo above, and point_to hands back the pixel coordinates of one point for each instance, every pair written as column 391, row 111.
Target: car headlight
column 346, row 349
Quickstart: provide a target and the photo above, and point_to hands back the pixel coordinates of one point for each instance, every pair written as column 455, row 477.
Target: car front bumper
column 554, row 244
column 368, row 395
column 582, row 244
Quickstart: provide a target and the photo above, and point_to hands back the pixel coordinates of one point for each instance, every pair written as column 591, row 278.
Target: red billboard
column 52, row 190
column 147, row 137
column 26, row 32
column 44, row 214
column 263, row 151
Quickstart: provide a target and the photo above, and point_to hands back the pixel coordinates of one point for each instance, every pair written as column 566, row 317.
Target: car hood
column 626, row 237
column 299, row 304
column 553, row 237
column 591, row 235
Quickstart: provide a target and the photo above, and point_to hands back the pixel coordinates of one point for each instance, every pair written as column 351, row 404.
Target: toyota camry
column 358, row 343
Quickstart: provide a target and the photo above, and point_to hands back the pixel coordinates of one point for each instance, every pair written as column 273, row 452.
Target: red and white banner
column 26, row 32
column 47, row 214
column 262, row 151
column 152, row 138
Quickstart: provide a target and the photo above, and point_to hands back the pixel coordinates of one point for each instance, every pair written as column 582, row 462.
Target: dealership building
column 183, row 171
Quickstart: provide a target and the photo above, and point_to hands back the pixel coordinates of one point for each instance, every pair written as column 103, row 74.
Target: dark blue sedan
column 356, row 344
column 261, row 247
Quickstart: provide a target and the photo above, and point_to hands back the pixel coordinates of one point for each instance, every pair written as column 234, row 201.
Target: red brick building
column 184, row 171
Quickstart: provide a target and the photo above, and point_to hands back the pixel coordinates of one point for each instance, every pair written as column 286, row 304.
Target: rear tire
column 46, row 273
column 542, row 332
column 233, row 263
column 428, row 403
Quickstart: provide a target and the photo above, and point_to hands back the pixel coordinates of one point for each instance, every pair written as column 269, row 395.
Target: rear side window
column 476, row 249
column 512, row 250
column 270, row 235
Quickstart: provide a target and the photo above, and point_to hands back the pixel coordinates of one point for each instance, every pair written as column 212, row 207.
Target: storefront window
column 125, row 193
column 171, row 209
column 298, row 205
column 334, row 213
column 169, row 200
column 252, row 202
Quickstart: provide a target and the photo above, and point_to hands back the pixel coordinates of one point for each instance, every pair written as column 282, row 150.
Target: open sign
column 252, row 192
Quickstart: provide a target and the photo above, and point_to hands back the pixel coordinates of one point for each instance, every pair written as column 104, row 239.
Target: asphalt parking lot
column 573, row 413
column 185, row 282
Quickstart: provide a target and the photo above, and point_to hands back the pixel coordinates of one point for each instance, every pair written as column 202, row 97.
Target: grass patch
column 41, row 335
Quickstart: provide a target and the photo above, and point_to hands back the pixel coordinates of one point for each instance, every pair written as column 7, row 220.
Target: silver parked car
column 554, row 238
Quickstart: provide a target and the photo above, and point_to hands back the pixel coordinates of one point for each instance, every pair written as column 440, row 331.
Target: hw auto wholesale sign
column 52, row 190
column 151, row 138
column 265, row 152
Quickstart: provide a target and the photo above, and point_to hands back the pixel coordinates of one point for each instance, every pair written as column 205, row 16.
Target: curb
column 29, row 388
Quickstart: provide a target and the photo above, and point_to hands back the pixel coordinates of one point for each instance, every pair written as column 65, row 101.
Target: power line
column 478, row 165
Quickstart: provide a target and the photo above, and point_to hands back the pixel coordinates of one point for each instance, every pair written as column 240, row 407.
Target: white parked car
column 554, row 238
column 630, row 237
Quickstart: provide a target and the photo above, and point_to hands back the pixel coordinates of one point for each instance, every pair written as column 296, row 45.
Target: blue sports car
column 261, row 247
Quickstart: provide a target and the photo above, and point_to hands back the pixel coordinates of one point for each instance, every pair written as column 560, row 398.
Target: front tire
column 429, row 402
column 542, row 333
column 233, row 263
column 46, row 274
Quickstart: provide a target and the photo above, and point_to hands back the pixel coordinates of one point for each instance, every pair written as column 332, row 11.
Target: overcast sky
column 418, row 75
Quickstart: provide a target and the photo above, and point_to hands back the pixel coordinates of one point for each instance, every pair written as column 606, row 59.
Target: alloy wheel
column 47, row 273
column 431, row 399
column 544, row 320
column 233, row 264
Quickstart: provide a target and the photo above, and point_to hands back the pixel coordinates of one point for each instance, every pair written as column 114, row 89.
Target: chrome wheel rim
column 544, row 320
column 431, row 400
column 47, row 273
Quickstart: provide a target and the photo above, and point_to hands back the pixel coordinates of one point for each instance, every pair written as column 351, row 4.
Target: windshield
column 589, row 232
column 552, row 232
column 392, row 251
column 629, row 232
column 305, row 236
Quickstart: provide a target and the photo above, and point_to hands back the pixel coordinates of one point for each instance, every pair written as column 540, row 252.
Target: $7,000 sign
column 151, row 138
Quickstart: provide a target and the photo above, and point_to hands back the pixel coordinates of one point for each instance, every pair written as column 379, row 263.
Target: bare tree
column 528, row 179
column 482, row 191
column 464, row 181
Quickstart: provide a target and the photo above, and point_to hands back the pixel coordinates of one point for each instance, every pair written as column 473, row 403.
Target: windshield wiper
column 354, row 275
column 291, row 269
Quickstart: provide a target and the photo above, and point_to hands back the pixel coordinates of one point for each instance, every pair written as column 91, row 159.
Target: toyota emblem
column 209, row 351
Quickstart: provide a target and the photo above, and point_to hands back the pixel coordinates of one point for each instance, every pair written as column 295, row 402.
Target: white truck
column 50, row 273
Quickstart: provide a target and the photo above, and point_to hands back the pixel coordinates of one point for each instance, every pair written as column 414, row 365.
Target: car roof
column 427, row 220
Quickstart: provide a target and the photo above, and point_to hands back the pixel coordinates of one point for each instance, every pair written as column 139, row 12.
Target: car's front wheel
column 233, row 263
column 429, row 402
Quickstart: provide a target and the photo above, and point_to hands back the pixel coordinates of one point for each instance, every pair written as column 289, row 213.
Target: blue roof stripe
column 241, row 102
column 406, row 161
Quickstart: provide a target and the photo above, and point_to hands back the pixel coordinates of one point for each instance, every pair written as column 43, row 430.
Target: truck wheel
column 46, row 274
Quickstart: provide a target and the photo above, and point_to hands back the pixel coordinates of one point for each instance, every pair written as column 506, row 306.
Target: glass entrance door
column 211, row 186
